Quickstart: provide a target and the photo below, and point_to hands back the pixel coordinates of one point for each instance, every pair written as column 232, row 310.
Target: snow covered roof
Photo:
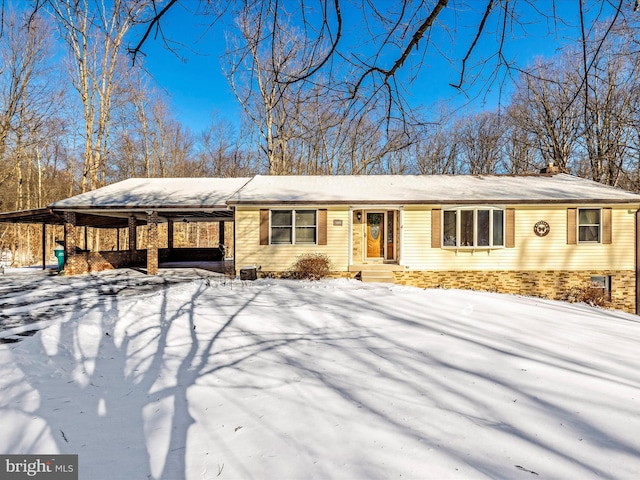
column 433, row 189
column 145, row 193
column 217, row 193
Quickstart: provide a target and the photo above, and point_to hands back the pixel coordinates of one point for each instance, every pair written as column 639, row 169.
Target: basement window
column 601, row 285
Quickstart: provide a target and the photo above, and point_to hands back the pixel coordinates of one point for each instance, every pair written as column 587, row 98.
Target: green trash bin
column 59, row 252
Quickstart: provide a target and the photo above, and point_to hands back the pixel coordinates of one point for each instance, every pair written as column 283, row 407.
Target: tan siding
column 415, row 240
column 278, row 258
column 530, row 252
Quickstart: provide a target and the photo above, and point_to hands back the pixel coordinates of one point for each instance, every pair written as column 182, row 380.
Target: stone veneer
column 87, row 262
column 152, row 243
column 357, row 236
column 546, row 284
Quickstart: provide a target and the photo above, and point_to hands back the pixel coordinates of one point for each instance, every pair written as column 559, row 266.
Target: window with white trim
column 589, row 225
column 289, row 227
column 473, row 227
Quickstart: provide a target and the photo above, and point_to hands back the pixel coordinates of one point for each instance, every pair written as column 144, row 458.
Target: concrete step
column 376, row 267
column 382, row 276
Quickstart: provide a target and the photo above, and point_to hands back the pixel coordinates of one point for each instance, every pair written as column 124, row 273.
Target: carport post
column 152, row 242
column 70, row 242
column 132, row 240
column 44, row 246
column 170, row 235
column 132, row 234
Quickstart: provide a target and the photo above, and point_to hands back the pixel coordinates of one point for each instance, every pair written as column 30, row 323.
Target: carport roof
column 47, row 216
column 141, row 194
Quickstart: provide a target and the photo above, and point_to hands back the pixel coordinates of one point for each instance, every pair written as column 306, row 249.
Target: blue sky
column 192, row 74
column 194, row 80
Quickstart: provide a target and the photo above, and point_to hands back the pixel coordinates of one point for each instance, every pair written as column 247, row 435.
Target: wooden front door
column 375, row 235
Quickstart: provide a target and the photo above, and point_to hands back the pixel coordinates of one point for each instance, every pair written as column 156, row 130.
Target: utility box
column 59, row 252
column 248, row 273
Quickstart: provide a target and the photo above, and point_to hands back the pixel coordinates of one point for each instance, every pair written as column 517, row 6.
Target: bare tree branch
column 487, row 12
column 417, row 36
column 155, row 22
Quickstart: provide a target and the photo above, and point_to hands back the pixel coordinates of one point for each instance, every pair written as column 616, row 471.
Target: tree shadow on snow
column 126, row 382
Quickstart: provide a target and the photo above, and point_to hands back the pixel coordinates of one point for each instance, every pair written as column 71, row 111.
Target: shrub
column 586, row 294
column 311, row 266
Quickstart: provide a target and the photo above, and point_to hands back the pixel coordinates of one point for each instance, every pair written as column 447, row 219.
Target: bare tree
column 583, row 121
column 254, row 74
column 30, row 127
column 397, row 39
column 520, row 154
column 545, row 107
column 609, row 103
column 479, row 143
column 26, row 97
column 94, row 33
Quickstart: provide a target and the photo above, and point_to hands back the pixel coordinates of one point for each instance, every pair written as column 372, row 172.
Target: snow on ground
column 188, row 375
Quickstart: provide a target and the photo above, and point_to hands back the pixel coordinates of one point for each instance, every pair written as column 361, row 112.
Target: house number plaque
column 541, row 228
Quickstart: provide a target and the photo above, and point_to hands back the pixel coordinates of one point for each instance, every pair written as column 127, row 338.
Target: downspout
column 235, row 244
column 401, row 236
column 350, row 239
column 637, row 260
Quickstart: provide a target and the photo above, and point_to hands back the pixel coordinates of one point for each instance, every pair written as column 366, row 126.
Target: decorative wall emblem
column 541, row 228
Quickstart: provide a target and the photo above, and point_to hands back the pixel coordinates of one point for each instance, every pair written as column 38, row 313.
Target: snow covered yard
column 187, row 375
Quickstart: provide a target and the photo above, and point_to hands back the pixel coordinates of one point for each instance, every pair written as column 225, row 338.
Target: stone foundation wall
column 545, row 284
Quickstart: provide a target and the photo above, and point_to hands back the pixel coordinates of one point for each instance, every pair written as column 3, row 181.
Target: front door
column 375, row 235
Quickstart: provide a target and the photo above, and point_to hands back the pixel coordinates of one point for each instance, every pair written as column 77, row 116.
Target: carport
column 48, row 216
column 132, row 203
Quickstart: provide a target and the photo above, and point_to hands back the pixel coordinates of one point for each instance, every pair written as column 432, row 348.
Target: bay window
column 466, row 227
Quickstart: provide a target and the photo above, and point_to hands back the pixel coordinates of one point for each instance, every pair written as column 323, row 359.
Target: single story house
column 531, row 234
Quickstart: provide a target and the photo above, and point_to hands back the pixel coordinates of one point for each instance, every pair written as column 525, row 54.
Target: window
column 601, row 286
column 589, row 222
column 473, row 227
column 450, row 228
column 293, row 227
column 305, row 226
